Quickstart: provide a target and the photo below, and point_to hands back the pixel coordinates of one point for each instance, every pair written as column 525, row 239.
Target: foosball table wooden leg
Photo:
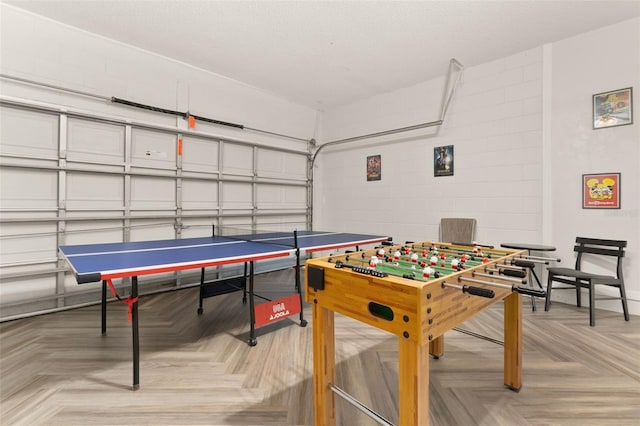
column 324, row 366
column 413, row 383
column 513, row 341
column 436, row 347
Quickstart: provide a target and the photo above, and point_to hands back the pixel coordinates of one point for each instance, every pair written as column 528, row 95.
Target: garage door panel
column 152, row 193
column 282, row 165
column 94, row 141
column 281, row 197
column 199, row 194
column 237, row 159
column 28, row 243
column 32, row 287
column 94, row 231
column 285, row 223
column 28, row 188
column 144, row 230
column 153, row 149
column 94, row 191
column 28, row 133
column 236, row 195
column 199, row 155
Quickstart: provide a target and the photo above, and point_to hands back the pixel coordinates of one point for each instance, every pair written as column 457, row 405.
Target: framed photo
column 443, row 160
column 601, row 191
column 613, row 108
column 374, row 168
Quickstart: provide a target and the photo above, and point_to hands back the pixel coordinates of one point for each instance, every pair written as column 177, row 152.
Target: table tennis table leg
column 244, row 285
column 200, row 307
column 252, row 334
column 135, row 333
column 303, row 322
column 104, row 307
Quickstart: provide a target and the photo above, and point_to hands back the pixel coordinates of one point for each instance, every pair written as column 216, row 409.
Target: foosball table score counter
column 417, row 291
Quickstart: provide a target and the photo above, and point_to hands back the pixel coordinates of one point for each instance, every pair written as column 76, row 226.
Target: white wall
column 518, row 165
column 598, row 61
column 494, row 123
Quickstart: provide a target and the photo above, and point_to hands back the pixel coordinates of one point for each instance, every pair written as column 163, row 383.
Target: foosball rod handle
column 513, row 273
column 476, row 291
column 528, row 291
column 519, row 289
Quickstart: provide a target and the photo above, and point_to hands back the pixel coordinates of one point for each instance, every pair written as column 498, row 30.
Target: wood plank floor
column 198, row 370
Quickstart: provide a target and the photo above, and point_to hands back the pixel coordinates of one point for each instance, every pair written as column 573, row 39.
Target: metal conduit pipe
column 375, row 135
column 449, row 91
column 448, row 95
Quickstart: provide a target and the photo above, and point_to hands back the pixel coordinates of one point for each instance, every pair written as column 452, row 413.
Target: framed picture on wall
column 374, row 168
column 601, row 191
column 612, row 109
column 443, row 160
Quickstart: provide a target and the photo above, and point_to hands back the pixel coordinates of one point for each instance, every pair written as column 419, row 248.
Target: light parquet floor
column 198, row 370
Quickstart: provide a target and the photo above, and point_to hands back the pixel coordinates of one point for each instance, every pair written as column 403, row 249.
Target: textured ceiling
column 327, row 53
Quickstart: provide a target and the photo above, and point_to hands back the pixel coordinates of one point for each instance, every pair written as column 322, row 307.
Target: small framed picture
column 612, row 109
column 374, row 168
column 601, row 191
column 443, row 160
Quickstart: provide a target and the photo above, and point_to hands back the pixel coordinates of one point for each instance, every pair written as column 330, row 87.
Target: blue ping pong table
column 106, row 262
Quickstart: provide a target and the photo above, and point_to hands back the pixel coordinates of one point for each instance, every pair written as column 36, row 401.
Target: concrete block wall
column 494, row 123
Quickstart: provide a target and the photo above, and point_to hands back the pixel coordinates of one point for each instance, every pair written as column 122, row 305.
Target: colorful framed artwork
column 601, row 191
column 374, row 168
column 612, row 109
column 443, row 160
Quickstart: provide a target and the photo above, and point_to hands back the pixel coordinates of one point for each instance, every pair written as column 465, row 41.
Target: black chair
column 578, row 279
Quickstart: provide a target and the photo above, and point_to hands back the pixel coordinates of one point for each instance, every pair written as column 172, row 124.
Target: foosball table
column 417, row 291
